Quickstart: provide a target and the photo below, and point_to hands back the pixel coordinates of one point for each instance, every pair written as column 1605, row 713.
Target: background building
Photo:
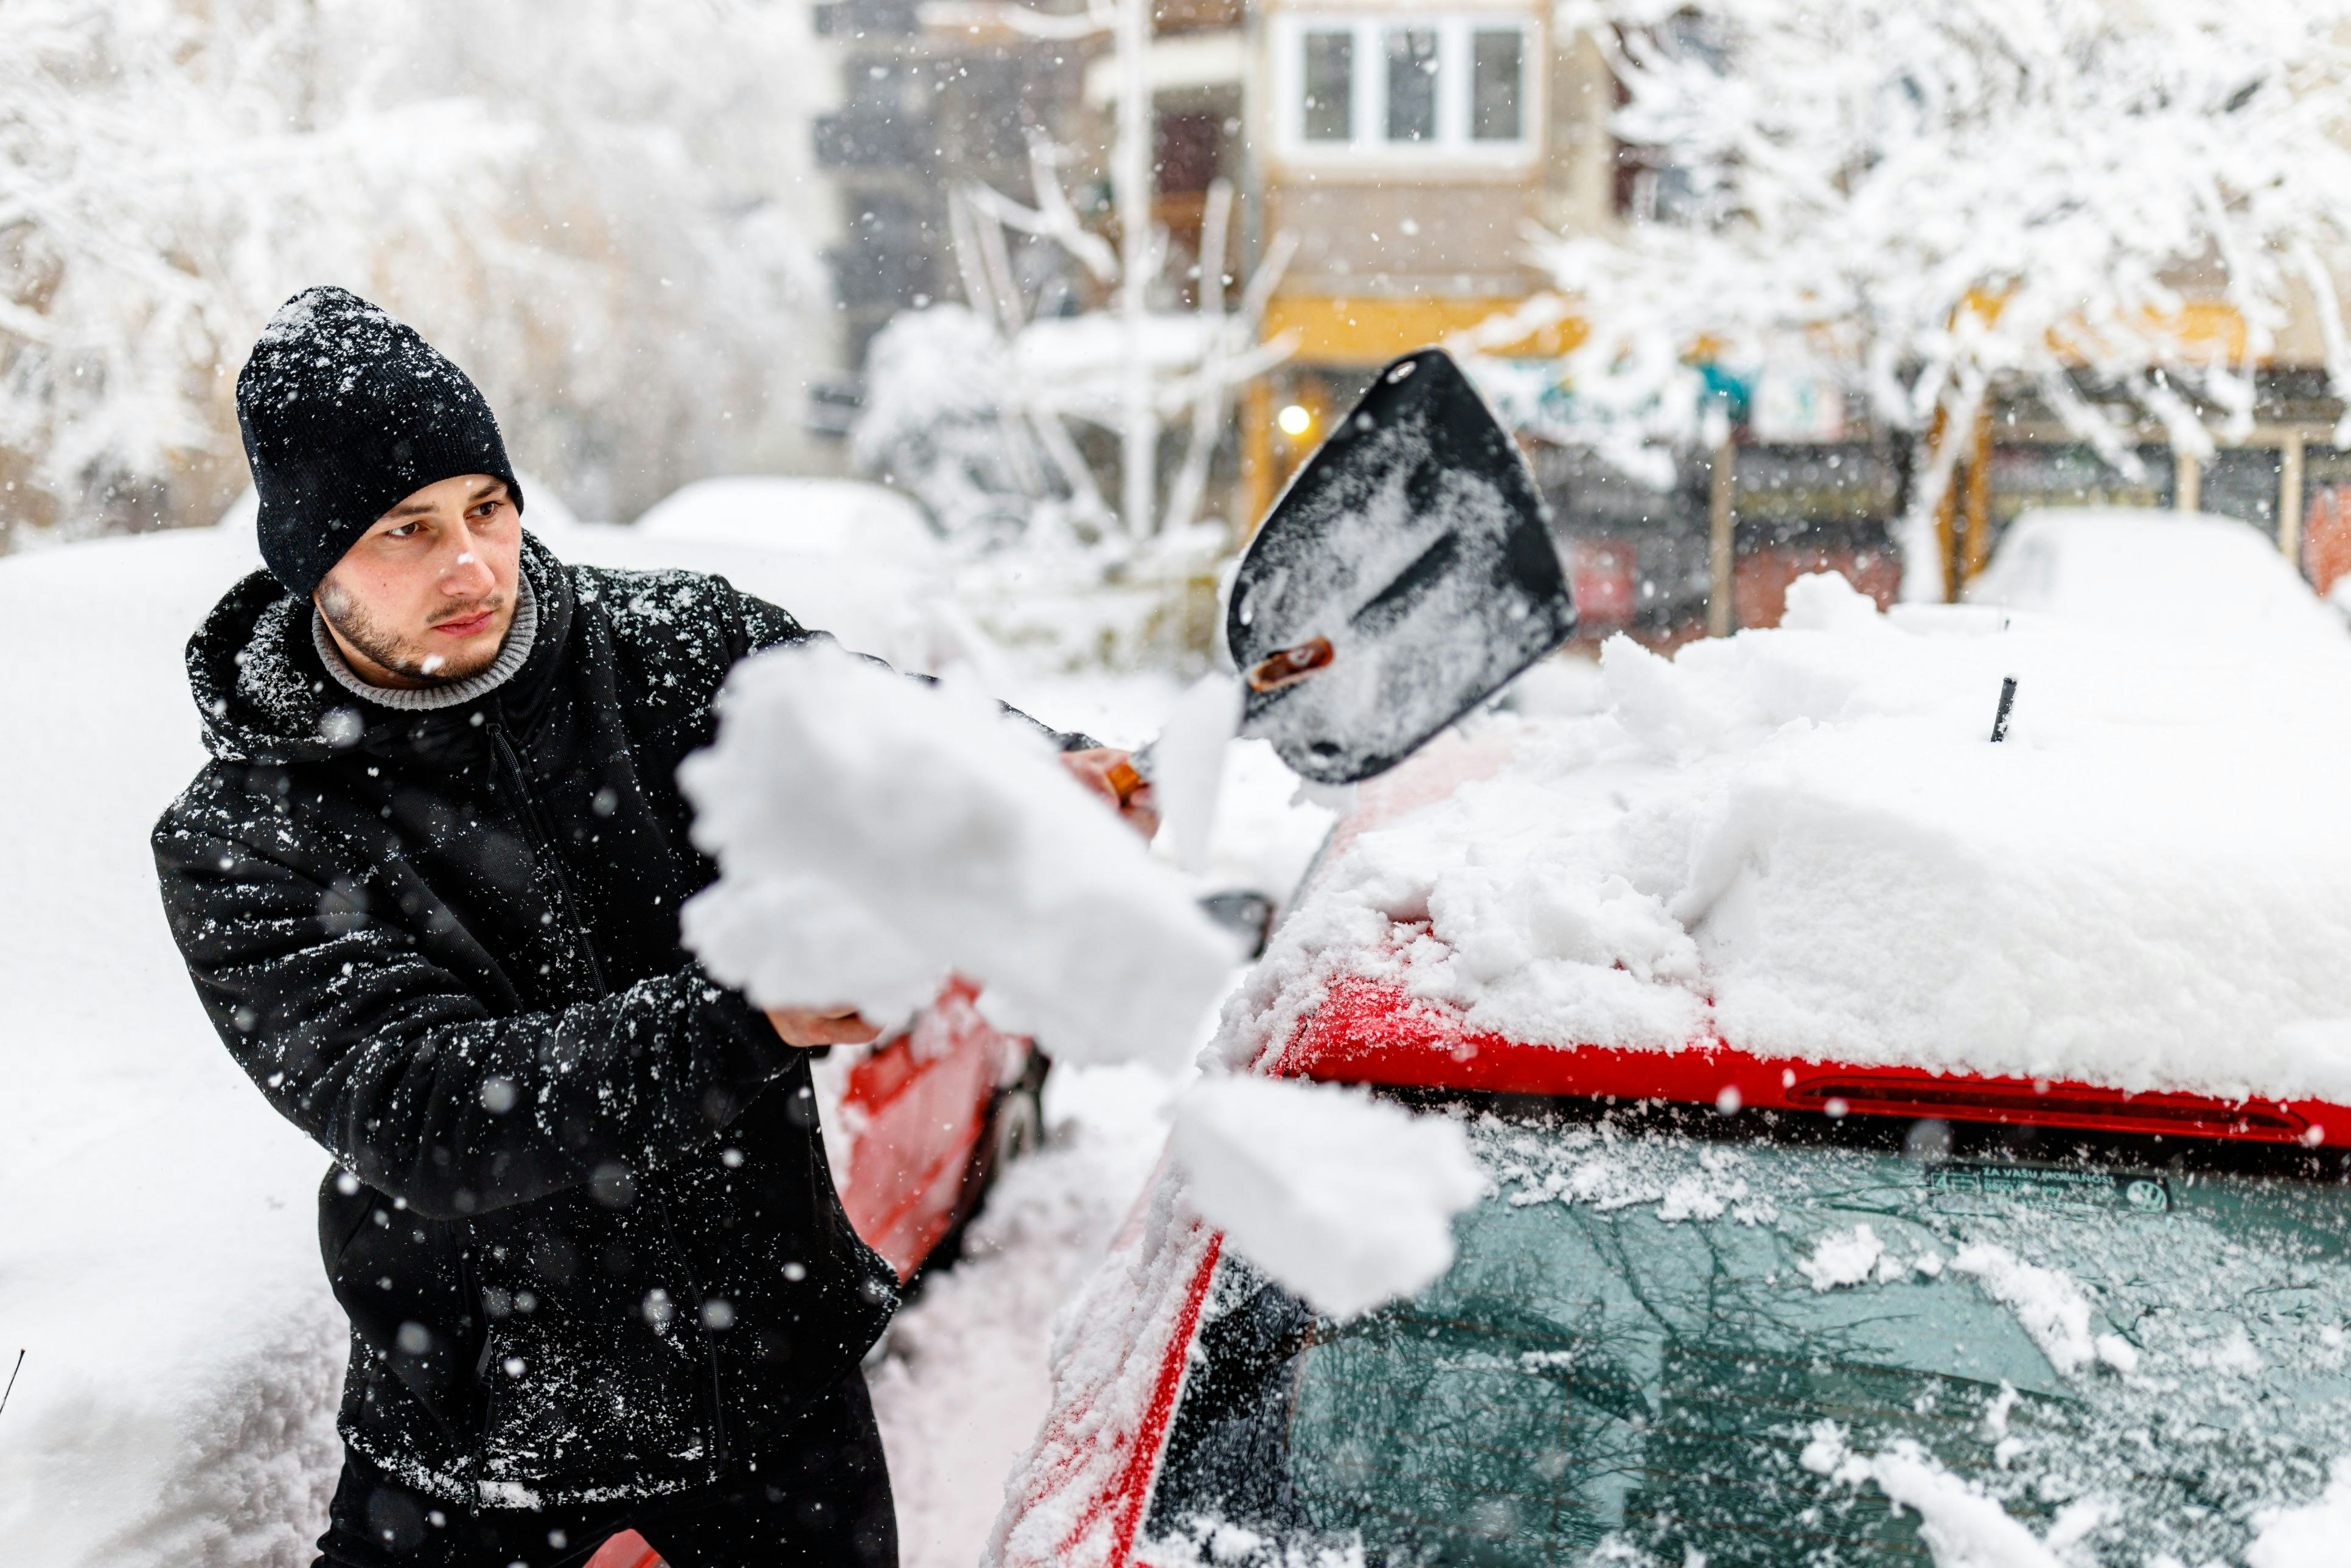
column 1415, row 151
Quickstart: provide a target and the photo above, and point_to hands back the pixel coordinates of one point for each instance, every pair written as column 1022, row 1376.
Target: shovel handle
column 1124, row 778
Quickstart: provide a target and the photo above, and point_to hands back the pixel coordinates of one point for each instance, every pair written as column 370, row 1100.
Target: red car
column 1723, row 1308
column 928, row 1116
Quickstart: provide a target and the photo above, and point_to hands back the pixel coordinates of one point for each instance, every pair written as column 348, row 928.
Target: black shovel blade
column 1405, row 575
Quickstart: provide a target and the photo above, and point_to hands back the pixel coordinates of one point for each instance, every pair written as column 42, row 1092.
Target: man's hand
column 1093, row 768
column 808, row 1027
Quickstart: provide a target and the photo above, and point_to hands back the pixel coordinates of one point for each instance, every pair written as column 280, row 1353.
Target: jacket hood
column 265, row 697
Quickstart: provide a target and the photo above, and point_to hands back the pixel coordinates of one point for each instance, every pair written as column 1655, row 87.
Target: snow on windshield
column 1804, row 841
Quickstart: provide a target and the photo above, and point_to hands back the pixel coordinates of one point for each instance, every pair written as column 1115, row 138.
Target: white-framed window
column 1452, row 88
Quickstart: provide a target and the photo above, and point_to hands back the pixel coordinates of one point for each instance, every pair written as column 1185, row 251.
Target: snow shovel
column 1403, row 578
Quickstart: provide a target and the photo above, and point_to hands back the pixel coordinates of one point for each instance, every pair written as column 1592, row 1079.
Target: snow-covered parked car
column 2163, row 574
column 1899, row 1146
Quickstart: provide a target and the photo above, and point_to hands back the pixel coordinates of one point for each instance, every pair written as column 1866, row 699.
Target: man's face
column 426, row 595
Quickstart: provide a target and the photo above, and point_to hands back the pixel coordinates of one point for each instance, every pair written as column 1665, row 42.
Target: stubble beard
column 391, row 652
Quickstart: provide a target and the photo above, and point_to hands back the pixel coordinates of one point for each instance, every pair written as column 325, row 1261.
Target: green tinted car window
column 1653, row 1345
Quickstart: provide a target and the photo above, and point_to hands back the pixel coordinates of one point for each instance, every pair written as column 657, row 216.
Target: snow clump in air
column 1345, row 1200
column 874, row 834
column 1803, row 841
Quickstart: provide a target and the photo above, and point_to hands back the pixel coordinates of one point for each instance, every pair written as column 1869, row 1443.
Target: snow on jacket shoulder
column 581, row 1220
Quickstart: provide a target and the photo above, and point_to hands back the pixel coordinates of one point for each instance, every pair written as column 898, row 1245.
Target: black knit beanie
column 345, row 412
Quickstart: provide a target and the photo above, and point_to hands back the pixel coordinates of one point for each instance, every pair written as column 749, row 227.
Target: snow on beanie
column 345, row 412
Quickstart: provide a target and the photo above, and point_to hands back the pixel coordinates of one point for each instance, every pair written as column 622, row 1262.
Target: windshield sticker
column 2136, row 1192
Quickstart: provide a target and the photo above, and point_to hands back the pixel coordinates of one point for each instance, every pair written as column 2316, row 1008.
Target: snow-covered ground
column 160, row 1265
column 158, row 1256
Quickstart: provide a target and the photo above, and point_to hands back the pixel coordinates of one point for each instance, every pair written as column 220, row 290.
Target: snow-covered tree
column 1949, row 202
column 588, row 214
column 655, row 304
column 980, row 410
column 161, row 170
column 934, row 426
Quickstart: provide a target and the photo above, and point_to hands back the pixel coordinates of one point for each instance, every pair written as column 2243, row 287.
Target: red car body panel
column 1122, row 1504
column 917, row 1109
column 1366, row 1032
column 1078, row 1501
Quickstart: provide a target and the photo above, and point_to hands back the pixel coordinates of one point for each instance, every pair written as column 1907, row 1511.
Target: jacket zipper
column 476, row 1306
column 542, row 830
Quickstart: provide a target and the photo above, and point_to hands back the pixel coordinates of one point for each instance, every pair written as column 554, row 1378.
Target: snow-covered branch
column 1942, row 201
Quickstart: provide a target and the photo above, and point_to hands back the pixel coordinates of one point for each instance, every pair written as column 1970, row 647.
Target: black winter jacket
column 580, row 1216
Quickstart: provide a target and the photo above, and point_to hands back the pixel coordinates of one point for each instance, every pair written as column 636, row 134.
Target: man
column 580, row 1219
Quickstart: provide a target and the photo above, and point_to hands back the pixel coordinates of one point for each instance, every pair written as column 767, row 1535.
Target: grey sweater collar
column 424, row 699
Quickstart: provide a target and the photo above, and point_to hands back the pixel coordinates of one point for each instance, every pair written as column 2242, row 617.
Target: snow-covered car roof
column 1803, row 842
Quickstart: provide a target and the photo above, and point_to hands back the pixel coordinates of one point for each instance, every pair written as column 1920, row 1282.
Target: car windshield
column 1675, row 1336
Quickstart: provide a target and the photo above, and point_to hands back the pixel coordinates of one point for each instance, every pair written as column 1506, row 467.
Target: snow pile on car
column 1805, row 842
column 2050, row 1307
column 1346, row 1200
column 874, row 834
column 831, row 519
